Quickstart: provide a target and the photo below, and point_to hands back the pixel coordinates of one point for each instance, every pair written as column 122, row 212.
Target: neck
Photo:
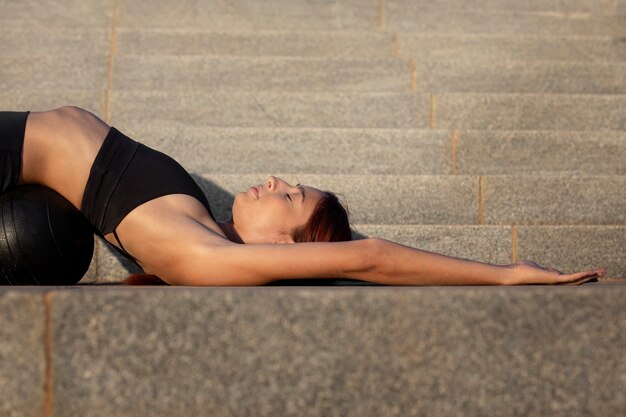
column 230, row 230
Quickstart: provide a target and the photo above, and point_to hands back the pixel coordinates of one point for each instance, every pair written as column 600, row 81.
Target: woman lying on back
column 140, row 196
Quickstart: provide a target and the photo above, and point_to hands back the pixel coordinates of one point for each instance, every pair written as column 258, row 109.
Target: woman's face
column 270, row 212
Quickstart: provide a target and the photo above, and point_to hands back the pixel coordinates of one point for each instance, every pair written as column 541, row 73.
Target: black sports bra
column 126, row 174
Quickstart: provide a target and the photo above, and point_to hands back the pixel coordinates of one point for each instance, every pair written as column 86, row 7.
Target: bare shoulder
column 162, row 232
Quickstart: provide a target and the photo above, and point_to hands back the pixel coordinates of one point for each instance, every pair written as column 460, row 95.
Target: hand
column 527, row 272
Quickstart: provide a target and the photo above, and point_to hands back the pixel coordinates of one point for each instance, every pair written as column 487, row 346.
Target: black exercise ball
column 44, row 239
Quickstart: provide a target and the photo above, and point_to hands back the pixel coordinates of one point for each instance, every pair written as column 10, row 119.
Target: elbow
column 374, row 256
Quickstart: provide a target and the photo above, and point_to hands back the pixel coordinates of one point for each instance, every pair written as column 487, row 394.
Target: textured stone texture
column 384, row 199
column 491, row 244
column 574, row 248
column 484, row 152
column 503, row 47
column 300, row 150
column 530, row 111
column 244, row 15
column 302, row 44
column 412, row 17
column 199, row 73
column 349, row 352
column 562, row 199
column 112, row 267
column 443, row 75
column 269, row 109
column 17, row 99
column 570, row 6
column 64, row 44
column 40, row 73
column 93, row 14
column 22, row 364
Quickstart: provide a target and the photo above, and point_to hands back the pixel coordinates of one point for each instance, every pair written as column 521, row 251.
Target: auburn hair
column 328, row 222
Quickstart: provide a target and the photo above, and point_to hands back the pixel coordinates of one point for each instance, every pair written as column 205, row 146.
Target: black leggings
column 12, row 130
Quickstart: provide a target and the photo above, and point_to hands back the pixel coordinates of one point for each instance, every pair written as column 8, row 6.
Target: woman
column 169, row 231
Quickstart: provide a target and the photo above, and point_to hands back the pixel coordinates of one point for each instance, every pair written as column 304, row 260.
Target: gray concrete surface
column 245, row 15
column 536, row 6
column 530, row 112
column 200, row 73
column 413, row 17
column 270, row 109
column 22, row 362
column 574, row 248
column 558, row 199
column 257, row 44
column 509, row 47
column 351, row 352
column 443, row 75
column 493, row 152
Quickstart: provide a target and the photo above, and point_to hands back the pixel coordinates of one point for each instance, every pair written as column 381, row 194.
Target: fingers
column 581, row 277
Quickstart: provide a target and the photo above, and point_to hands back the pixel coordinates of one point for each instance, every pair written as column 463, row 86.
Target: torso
column 60, row 147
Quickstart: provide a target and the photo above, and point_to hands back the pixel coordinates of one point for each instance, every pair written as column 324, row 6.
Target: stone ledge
column 472, row 351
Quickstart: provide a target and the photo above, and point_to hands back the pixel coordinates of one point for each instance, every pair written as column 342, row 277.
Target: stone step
column 33, row 99
column 342, row 110
column 571, row 6
column 536, row 17
column 270, row 109
column 370, row 45
column 263, row 43
column 528, row 111
column 507, row 47
column 88, row 14
column 320, row 14
column 311, row 16
column 451, row 199
column 500, row 76
column 49, row 73
column 172, row 72
column 200, row 73
column 251, row 15
column 385, row 151
column 371, row 110
column 282, row 351
column 62, row 43
column 567, row 248
column 413, row 17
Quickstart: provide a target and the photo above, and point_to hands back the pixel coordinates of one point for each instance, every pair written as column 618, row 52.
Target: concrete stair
column 480, row 105
column 325, row 351
column 488, row 130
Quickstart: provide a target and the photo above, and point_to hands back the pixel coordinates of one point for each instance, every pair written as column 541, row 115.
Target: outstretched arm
column 374, row 260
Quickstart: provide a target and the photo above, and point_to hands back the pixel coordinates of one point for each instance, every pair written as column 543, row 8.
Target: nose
column 273, row 183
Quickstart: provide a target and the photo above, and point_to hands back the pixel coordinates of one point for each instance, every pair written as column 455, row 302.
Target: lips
column 255, row 191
